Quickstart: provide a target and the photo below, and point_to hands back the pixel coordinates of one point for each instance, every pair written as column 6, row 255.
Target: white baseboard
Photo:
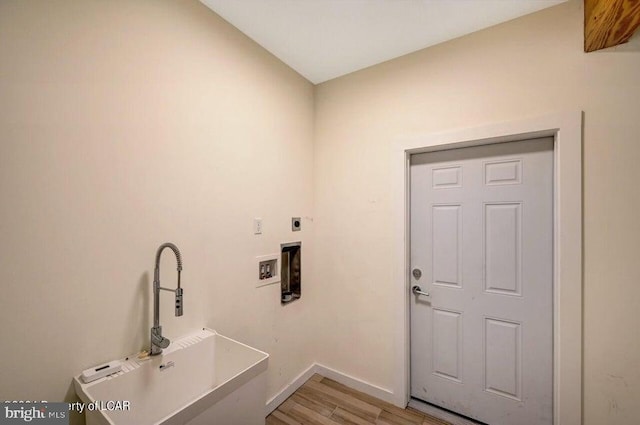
column 289, row 389
column 348, row 380
column 355, row 383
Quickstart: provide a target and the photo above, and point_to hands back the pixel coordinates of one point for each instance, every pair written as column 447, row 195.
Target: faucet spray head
column 178, row 302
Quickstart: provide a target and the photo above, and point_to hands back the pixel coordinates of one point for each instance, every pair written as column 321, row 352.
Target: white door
column 482, row 240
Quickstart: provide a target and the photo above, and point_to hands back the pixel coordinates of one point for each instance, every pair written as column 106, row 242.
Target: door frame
column 566, row 128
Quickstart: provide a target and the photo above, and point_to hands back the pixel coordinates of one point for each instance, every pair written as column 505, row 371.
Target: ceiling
column 324, row 39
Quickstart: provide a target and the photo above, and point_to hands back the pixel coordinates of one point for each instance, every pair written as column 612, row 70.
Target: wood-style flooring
column 322, row 401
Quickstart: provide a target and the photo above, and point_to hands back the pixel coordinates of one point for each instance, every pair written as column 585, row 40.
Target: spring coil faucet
column 158, row 342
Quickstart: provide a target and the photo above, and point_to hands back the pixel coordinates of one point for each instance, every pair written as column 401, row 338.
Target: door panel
column 482, row 234
column 447, row 344
column 447, row 245
column 502, row 358
column 502, row 248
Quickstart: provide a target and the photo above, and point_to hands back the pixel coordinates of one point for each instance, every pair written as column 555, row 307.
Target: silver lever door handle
column 418, row 291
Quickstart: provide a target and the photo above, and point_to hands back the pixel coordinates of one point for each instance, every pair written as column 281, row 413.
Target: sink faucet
column 158, row 342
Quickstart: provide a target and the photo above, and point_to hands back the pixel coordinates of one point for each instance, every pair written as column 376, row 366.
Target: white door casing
column 482, row 234
column 566, row 128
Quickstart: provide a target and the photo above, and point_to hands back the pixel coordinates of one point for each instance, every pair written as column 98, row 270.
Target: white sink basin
column 212, row 379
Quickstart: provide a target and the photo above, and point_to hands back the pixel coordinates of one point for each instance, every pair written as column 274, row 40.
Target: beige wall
column 527, row 67
column 124, row 125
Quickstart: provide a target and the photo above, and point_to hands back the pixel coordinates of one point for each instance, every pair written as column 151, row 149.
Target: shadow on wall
column 142, row 304
column 633, row 45
column 75, row 418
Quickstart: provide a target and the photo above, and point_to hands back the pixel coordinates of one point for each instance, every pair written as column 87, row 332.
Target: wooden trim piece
column 608, row 23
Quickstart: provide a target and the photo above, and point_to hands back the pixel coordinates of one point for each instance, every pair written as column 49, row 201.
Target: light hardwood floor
column 322, row 401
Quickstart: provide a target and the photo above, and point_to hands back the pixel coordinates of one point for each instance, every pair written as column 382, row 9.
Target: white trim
column 289, row 389
column 327, row 372
column 356, row 383
column 567, row 356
